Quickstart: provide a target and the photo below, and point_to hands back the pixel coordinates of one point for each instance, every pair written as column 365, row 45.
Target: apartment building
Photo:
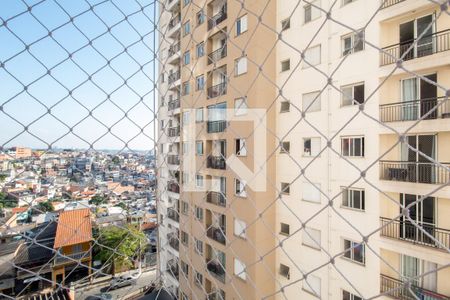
column 336, row 206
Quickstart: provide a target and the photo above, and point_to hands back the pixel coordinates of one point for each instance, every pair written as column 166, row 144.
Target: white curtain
column 409, row 93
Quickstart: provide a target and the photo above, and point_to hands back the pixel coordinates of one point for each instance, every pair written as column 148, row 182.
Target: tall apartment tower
column 335, row 205
column 216, row 236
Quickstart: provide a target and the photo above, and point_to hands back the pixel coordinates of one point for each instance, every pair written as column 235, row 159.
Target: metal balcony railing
column 217, row 234
column 215, row 296
column 174, row 77
column 174, row 104
column 173, row 187
column 217, row 90
column 216, row 162
column 217, row 198
column 173, row 131
column 396, row 289
column 74, row 257
column 216, row 269
column 173, row 49
column 216, row 126
column 417, row 172
column 425, row 109
column 406, row 231
column 174, row 242
column 172, row 268
column 217, row 55
column 388, row 3
column 173, row 159
column 427, row 45
column 173, row 214
column 175, row 21
column 217, row 18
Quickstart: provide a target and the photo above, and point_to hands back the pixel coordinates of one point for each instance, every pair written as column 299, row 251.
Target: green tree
column 119, row 246
column 116, row 160
column 122, row 205
column 2, row 177
column 45, row 207
column 97, row 200
column 6, row 202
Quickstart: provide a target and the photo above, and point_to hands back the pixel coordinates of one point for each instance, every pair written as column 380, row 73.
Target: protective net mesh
column 234, row 149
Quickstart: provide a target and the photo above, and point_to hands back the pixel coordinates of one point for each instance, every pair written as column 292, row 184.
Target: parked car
column 121, row 281
column 102, row 296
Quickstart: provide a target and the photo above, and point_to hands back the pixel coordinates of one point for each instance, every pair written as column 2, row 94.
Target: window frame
column 288, row 61
column 242, row 193
column 351, row 251
column 351, row 199
column 352, row 147
column 352, row 86
column 239, row 30
column 310, row 65
column 236, row 66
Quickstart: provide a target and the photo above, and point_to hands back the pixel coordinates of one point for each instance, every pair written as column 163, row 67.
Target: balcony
column 173, row 160
column 217, row 90
column 217, row 55
column 395, row 288
column 174, row 77
column 216, row 198
column 388, row 3
column 173, row 241
column 216, row 162
column 426, row 45
column 216, row 269
column 174, row 104
column 415, row 110
column 216, row 126
column 172, row 268
column 173, row 214
column 218, row 18
column 416, row 172
column 71, row 258
column 217, row 234
column 406, row 231
column 216, row 295
column 175, row 21
column 173, row 187
column 173, row 131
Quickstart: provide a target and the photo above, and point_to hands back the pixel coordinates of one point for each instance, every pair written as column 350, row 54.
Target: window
column 186, row 2
column 352, row 146
column 241, row 25
column 240, row 106
column 352, row 94
column 310, row 12
column 162, row 77
column 199, row 213
column 311, row 238
column 241, row 147
column 353, row 42
column 199, row 115
column 285, row 188
column 285, row 65
column 312, row 57
column 186, row 116
column 311, row 146
column 186, row 88
column 186, row 28
column 199, row 180
column 349, row 296
column 200, row 17
column 185, row 268
column 353, row 198
column 239, row 269
column 184, row 207
column 284, row 271
column 285, row 106
column 185, row 147
column 200, row 49
column 311, row 102
column 311, row 192
column 187, row 57
column 198, row 278
column 184, row 237
column 345, row 2
column 200, row 83
column 199, row 246
column 240, row 188
column 354, row 251
column 285, row 24
column 312, row 285
column 240, row 66
column 185, row 178
column 239, row 228
column 199, row 147
column 284, row 229
column 285, row 147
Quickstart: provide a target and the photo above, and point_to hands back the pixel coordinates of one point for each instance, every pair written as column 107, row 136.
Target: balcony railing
column 174, row 131
column 174, row 49
column 215, row 296
column 173, row 241
column 173, row 159
column 396, row 289
column 216, row 269
column 173, row 187
column 175, row 21
column 217, row 198
column 388, row 3
column 174, row 104
column 172, row 268
column 217, row 90
column 217, row 18
column 216, row 162
column 426, row 45
column 217, row 55
column 406, row 231
column 71, row 258
column 217, row 234
column 174, row 76
column 173, row 214
column 425, row 109
column 417, row 172
column 216, row 126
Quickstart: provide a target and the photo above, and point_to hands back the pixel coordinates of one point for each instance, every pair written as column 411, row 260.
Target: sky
column 55, row 108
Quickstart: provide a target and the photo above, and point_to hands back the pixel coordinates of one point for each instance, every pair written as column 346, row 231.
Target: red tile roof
column 18, row 210
column 74, row 227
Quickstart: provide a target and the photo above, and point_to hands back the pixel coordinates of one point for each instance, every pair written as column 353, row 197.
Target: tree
column 97, row 200
column 122, row 205
column 119, row 246
column 116, row 160
column 2, row 177
column 45, row 207
column 6, row 202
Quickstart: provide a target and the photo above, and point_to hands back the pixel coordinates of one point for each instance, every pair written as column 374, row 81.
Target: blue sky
column 52, row 52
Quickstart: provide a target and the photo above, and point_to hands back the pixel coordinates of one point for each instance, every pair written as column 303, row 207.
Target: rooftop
column 74, row 227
